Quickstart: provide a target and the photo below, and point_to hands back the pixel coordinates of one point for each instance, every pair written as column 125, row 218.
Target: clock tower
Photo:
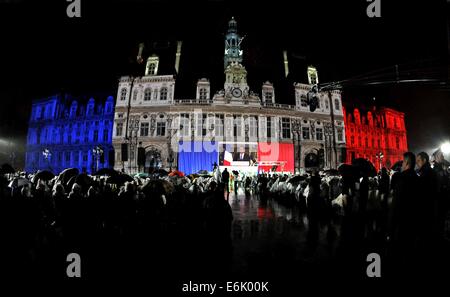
column 233, row 52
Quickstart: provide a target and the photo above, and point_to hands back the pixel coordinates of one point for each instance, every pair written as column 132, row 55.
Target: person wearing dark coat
column 441, row 168
column 406, row 214
column 225, row 181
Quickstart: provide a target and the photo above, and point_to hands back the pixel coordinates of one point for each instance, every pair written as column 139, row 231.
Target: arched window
column 163, row 94
column 123, row 94
column 336, row 104
column 148, row 94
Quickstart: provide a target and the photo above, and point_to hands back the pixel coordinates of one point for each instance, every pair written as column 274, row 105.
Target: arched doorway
column 153, row 159
column 311, row 160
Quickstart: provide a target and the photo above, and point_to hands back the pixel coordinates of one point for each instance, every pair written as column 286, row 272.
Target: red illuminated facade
column 373, row 132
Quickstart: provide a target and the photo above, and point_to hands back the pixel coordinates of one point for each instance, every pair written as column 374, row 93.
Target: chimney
column 178, row 55
column 286, row 64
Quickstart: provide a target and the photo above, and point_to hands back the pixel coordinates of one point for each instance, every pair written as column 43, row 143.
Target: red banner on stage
column 276, row 155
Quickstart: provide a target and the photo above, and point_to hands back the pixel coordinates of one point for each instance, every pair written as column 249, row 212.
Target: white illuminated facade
column 147, row 115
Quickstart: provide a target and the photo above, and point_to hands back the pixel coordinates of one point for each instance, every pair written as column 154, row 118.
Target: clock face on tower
column 236, row 92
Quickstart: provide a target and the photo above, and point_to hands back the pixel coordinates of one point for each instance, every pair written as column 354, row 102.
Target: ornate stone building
column 148, row 116
column 373, row 132
column 64, row 133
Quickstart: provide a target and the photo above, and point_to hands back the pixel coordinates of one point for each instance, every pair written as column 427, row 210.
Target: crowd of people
column 112, row 219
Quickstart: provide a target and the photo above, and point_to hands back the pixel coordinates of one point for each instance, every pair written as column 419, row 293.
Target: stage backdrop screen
column 194, row 156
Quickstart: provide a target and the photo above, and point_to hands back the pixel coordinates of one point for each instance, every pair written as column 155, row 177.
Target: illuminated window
column 135, row 95
column 397, row 142
column 340, row 135
column 163, row 94
column 148, row 94
column 123, row 94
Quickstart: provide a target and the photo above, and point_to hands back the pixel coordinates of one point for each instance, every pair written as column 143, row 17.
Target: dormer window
column 151, row 69
column 123, row 94
column 203, row 94
column 163, row 94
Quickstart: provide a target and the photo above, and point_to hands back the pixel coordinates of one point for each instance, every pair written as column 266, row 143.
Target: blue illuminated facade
column 64, row 133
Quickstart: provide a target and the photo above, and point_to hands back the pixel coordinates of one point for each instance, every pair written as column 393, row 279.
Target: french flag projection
column 227, row 158
column 194, row 156
column 275, row 155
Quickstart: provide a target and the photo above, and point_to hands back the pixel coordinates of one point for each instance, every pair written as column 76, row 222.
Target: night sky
column 42, row 52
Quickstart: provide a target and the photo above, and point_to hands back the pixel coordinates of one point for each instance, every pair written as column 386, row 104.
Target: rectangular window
column 269, row 127
column 161, row 129
column 319, row 134
column 119, row 129
column 144, row 129
column 253, row 127
column 305, row 132
column 105, row 135
column 95, row 138
column 184, row 124
column 397, row 142
column 340, row 135
column 218, row 124
column 204, row 122
column 303, row 100
column 67, row 157
column 286, row 128
column 76, row 157
column 237, row 126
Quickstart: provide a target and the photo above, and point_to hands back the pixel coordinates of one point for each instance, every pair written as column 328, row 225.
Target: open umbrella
column 43, row 175
column 161, row 172
column 397, row 166
column 106, row 171
column 331, row 172
column 363, row 166
column 176, row 173
column 203, row 172
column 141, row 175
column 66, row 174
column 119, row 179
column 6, row 168
column 235, row 172
column 19, row 182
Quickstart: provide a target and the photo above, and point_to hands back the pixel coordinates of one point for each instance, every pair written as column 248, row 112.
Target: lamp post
column 97, row 152
column 47, row 156
column 172, row 132
column 297, row 131
column 380, row 157
column 328, row 131
column 134, row 127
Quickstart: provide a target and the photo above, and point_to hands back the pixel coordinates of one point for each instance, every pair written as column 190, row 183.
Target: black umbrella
column 365, row 167
column 346, row 169
column 161, row 172
column 331, row 172
column 6, row 168
column 43, row 175
column 203, row 172
column 235, row 172
column 397, row 166
column 66, row 174
column 106, row 171
column 83, row 180
column 119, row 179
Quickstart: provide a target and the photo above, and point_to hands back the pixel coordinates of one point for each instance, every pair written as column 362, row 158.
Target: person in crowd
column 226, row 181
column 406, row 214
column 441, row 169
